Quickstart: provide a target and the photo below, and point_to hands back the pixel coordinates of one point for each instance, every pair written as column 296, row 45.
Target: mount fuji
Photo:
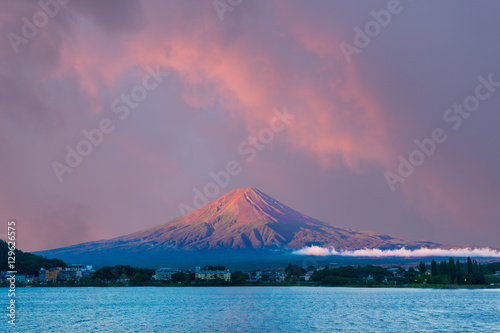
column 243, row 226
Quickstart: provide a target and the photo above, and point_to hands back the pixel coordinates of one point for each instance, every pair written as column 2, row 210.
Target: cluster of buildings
column 308, row 275
column 69, row 273
column 75, row 272
column 165, row 274
column 267, row 276
column 72, row 272
column 20, row 278
column 212, row 275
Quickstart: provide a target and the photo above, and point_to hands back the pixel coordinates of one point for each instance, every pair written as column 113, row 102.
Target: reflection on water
column 255, row 309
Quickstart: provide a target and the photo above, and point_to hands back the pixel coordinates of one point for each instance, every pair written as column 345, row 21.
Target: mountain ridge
column 244, row 218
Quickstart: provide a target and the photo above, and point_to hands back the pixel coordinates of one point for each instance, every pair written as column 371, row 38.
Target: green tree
column 137, row 275
column 27, row 263
column 470, row 266
column 452, row 270
column 434, row 268
column 411, row 274
column 458, row 271
column 476, row 266
column 140, row 278
column 239, row 276
column 443, row 268
column 295, row 270
column 422, row 268
column 85, row 280
column 490, row 268
column 180, row 277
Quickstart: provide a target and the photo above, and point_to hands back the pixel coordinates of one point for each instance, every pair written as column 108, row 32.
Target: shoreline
column 172, row 285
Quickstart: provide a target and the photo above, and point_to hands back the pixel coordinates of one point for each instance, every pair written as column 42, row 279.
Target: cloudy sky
column 183, row 87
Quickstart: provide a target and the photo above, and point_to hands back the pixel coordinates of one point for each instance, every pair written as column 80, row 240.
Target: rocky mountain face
column 243, row 219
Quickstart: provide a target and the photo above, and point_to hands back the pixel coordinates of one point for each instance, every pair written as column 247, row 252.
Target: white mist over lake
column 403, row 252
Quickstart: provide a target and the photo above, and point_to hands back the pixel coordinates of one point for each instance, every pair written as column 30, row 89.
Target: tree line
column 26, row 263
column 451, row 271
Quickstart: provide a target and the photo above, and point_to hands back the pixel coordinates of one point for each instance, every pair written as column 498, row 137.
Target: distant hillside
column 26, row 263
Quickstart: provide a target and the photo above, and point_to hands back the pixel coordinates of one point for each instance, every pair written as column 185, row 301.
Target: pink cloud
column 352, row 119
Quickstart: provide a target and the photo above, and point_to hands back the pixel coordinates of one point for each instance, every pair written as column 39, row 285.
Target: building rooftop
column 214, row 272
column 166, row 269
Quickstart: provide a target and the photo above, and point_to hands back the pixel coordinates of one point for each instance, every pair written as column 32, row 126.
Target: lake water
column 253, row 309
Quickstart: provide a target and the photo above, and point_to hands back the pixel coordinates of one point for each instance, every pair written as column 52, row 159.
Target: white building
column 308, row 275
column 212, row 275
column 77, row 268
column 164, row 274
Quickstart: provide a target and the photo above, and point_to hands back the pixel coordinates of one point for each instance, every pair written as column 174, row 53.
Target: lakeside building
column 88, row 271
column 77, row 269
column 66, row 275
column 20, row 278
column 308, row 275
column 497, row 273
column 4, row 275
column 254, row 278
column 267, row 276
column 52, row 274
column 124, row 279
column 212, row 275
column 164, row 274
column 41, row 275
column 398, row 271
column 71, row 272
column 279, row 277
